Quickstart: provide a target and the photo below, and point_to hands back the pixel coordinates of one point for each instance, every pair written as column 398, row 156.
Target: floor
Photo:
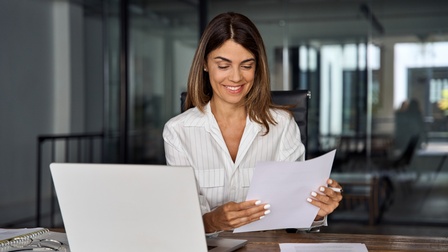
column 419, row 208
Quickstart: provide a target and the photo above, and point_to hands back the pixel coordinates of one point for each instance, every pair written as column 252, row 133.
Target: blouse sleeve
column 291, row 146
column 176, row 155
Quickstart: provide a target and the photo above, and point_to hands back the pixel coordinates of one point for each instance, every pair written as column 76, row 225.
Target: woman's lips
column 234, row 89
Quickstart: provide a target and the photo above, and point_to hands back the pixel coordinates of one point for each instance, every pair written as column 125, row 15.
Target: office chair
column 298, row 99
column 397, row 166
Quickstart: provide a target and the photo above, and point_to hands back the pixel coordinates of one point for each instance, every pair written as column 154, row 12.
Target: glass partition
column 162, row 40
column 360, row 61
column 162, row 36
column 111, row 38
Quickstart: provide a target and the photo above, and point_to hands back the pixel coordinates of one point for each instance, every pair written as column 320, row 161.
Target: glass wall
column 360, row 61
column 161, row 37
column 111, row 36
column 162, row 40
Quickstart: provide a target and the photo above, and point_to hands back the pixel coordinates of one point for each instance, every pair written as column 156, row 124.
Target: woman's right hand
column 233, row 215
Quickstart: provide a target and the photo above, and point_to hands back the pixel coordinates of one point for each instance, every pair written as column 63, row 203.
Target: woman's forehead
column 232, row 51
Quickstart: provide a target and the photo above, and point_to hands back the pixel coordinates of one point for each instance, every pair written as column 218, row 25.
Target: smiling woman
column 245, row 37
column 230, row 124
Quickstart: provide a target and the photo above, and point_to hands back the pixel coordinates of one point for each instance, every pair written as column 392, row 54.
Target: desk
column 435, row 149
column 269, row 240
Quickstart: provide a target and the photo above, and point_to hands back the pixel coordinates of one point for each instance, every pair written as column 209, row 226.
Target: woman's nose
column 235, row 75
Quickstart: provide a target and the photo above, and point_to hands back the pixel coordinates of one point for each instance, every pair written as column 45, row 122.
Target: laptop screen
column 110, row 207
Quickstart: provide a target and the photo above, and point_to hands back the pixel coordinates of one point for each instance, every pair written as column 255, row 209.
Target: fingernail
column 261, row 217
column 258, row 202
column 267, row 212
column 322, row 189
column 330, row 181
column 314, row 194
column 309, row 199
column 267, row 206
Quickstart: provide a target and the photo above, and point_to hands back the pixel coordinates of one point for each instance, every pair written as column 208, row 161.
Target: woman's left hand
column 326, row 199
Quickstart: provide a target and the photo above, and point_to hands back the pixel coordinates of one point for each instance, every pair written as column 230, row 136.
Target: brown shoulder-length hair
column 241, row 30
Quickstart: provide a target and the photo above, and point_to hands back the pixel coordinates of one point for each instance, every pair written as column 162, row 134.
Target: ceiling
column 306, row 19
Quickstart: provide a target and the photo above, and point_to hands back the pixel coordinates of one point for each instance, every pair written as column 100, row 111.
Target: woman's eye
column 223, row 67
column 247, row 67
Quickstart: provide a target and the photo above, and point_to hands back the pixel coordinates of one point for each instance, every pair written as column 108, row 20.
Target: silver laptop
column 116, row 208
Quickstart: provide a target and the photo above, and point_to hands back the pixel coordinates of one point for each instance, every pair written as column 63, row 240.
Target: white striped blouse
column 194, row 139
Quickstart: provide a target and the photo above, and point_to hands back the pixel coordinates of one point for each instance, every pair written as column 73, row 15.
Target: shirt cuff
column 315, row 226
column 320, row 223
column 214, row 234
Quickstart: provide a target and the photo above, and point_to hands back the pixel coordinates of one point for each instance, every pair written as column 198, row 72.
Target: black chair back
column 299, row 99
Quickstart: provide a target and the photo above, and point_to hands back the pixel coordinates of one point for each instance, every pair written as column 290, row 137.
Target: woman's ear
column 204, row 64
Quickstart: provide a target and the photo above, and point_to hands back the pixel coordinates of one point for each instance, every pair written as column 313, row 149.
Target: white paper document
column 286, row 186
column 319, row 247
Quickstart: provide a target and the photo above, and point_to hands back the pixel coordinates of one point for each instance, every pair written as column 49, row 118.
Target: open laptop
column 116, row 208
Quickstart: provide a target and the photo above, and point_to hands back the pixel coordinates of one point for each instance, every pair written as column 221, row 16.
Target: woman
column 231, row 124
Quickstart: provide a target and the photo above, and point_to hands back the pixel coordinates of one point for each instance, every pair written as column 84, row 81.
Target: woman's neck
column 228, row 112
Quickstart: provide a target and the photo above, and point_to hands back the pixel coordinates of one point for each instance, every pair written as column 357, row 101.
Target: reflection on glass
column 358, row 80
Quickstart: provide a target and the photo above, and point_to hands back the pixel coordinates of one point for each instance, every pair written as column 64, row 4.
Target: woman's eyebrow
column 227, row 60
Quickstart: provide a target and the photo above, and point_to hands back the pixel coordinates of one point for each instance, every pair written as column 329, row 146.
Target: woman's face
column 231, row 70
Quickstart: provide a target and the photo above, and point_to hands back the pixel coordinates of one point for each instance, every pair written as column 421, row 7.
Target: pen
column 339, row 190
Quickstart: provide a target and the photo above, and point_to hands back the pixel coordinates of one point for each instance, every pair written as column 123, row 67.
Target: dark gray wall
column 25, row 100
column 28, row 86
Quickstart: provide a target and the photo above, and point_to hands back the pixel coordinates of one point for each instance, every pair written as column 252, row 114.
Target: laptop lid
column 111, row 207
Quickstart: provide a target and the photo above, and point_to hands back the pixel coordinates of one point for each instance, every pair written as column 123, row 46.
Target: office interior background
column 95, row 81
